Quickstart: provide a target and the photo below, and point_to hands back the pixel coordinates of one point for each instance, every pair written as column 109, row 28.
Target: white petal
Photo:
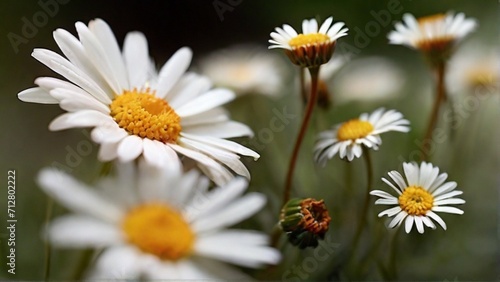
column 107, row 40
column 70, row 72
column 419, row 223
column 136, row 57
column 229, row 159
column 437, row 218
column 445, row 188
column 224, row 144
column 36, row 95
column 232, row 252
column 173, row 69
column 390, row 212
column 84, row 118
column 160, row 155
column 227, row 129
column 188, row 88
column 120, row 262
column 409, row 223
column 215, row 199
column 108, row 151
column 412, row 173
column 76, row 101
column 130, row 148
column 214, row 170
column 205, row 102
column 75, row 231
column 231, row 214
column 453, row 201
column 75, row 52
column 397, row 219
column 77, row 196
column 448, row 210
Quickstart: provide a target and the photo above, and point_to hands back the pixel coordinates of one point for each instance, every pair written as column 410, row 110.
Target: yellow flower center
column 158, row 229
column 431, row 19
column 354, row 129
column 415, row 200
column 481, row 77
column 143, row 114
column 308, row 39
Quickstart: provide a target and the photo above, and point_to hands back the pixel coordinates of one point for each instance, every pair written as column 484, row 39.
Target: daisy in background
column 312, row 47
column 158, row 224
column 136, row 110
column 474, row 68
column 245, row 69
column 348, row 138
column 420, row 194
column 368, row 79
column 434, row 35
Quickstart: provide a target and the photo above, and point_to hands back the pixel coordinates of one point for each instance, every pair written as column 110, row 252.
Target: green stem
column 311, row 102
column 440, row 98
column 48, row 247
column 366, row 203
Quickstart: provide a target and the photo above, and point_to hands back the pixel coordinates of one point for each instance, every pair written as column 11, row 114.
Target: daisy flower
column 434, row 34
column 367, row 80
column 136, row 110
column 245, row 70
column 312, row 47
column 420, row 196
column 348, row 138
column 475, row 67
column 158, row 224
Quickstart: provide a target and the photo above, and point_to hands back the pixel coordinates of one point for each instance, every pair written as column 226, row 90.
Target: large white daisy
column 245, row 70
column 158, row 224
column 312, row 47
column 432, row 33
column 348, row 138
column 419, row 197
column 133, row 109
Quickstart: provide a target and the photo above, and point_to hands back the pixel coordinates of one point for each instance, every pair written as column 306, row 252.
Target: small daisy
column 312, row 47
column 158, row 224
column 432, row 34
column 245, row 70
column 419, row 197
column 133, row 109
column 348, row 138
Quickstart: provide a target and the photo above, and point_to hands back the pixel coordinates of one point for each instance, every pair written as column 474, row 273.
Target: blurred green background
column 468, row 250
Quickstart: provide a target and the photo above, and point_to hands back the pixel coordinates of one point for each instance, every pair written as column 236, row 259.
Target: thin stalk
column 440, row 98
column 48, row 247
column 366, row 203
column 311, row 102
column 303, row 91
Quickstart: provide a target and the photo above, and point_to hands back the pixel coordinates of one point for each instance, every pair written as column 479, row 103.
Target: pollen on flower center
column 160, row 230
column 354, row 129
column 143, row 114
column 431, row 19
column 308, row 39
column 415, row 200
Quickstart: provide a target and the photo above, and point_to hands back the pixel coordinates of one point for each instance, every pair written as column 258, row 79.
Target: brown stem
column 303, row 91
column 440, row 98
column 311, row 102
